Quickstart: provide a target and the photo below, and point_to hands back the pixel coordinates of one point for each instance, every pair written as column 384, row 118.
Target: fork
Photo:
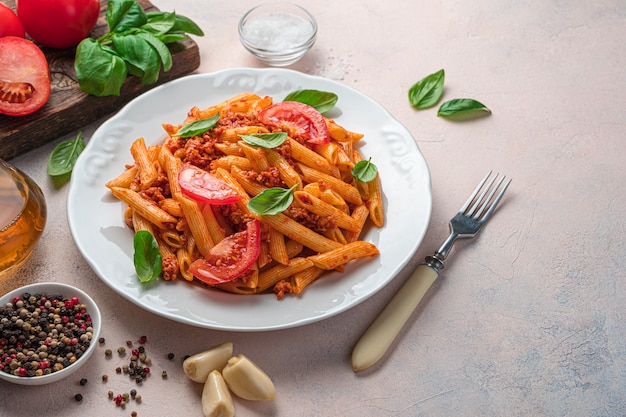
column 466, row 223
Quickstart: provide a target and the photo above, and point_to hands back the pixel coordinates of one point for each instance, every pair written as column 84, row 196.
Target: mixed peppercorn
column 42, row 333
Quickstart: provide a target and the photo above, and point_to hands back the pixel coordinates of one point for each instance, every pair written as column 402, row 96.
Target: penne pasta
column 145, row 164
column 318, row 232
column 344, row 254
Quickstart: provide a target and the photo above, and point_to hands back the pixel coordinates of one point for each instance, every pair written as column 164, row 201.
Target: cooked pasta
column 318, row 231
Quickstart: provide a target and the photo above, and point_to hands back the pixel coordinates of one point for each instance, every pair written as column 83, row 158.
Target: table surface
column 526, row 320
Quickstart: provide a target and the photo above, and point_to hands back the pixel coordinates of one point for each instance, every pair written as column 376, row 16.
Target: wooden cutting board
column 69, row 109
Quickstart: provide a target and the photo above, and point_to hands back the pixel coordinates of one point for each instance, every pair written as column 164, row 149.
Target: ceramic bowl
column 49, row 290
column 278, row 34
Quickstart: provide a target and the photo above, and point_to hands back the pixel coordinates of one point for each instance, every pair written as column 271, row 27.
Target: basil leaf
column 364, row 171
column 198, row 127
column 271, row 201
column 99, row 70
column 160, row 48
column 159, row 23
column 138, row 52
column 64, row 156
column 172, row 37
column 124, row 14
column 322, row 101
column 185, row 25
column 463, row 106
column 265, row 140
column 427, row 91
column 147, row 258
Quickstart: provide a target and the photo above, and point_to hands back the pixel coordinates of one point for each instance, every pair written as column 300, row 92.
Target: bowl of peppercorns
column 47, row 331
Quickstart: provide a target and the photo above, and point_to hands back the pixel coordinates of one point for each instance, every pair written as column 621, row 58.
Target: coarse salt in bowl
column 278, row 34
column 80, row 326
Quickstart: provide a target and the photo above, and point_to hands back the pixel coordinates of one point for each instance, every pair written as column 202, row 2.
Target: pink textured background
column 527, row 320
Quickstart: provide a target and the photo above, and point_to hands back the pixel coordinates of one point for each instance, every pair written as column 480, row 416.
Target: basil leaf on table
column 322, row 101
column 198, row 127
column 463, row 106
column 272, row 201
column 64, row 156
column 365, row 170
column 427, row 91
column 265, row 140
column 147, row 258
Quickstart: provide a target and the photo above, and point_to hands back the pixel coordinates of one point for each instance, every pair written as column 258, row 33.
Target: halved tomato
column 10, row 24
column 230, row 258
column 24, row 77
column 201, row 186
column 297, row 119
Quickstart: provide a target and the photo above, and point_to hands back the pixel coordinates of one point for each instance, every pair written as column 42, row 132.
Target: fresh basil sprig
column 364, row 170
column 64, row 156
column 147, row 258
column 427, row 91
column 463, row 106
column 322, row 101
column 265, row 140
column 198, row 127
column 272, row 201
column 136, row 44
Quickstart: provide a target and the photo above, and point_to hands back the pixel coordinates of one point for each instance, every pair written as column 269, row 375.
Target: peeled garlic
column 246, row 380
column 199, row 366
column 216, row 398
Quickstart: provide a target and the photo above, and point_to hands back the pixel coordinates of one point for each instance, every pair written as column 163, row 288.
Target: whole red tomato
column 10, row 25
column 58, row 23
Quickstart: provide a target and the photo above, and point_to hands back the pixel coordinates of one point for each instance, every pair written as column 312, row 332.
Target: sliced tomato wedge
column 201, row 186
column 230, row 258
column 297, row 119
column 24, row 77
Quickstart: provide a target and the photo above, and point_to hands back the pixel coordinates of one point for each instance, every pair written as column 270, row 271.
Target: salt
column 277, row 31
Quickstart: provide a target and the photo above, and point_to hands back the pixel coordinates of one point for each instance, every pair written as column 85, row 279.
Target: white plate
column 97, row 226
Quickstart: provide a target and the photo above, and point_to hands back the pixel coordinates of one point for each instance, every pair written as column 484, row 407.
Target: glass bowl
column 22, row 217
column 278, row 34
column 80, row 332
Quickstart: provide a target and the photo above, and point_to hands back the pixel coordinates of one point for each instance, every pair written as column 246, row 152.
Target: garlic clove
column 199, row 366
column 246, row 380
column 216, row 398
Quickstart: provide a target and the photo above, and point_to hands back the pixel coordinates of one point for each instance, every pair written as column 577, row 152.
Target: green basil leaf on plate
column 265, row 140
column 64, row 156
column 272, row 201
column 322, row 101
column 365, row 170
column 465, row 107
column 198, row 127
column 147, row 258
column 427, row 91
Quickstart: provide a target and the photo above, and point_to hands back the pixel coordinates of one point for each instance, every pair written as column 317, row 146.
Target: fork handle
column 378, row 337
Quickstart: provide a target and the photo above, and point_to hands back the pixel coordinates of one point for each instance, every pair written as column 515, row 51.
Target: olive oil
column 22, row 215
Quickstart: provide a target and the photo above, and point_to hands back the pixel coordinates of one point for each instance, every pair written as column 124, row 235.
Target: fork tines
column 486, row 199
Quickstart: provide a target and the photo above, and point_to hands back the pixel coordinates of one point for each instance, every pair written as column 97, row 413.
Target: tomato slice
column 24, row 77
column 297, row 119
column 231, row 257
column 201, row 186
